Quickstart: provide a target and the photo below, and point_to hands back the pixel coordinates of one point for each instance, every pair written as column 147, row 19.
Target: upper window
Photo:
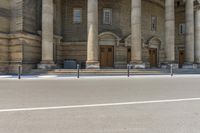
column 77, row 15
column 153, row 23
column 107, row 16
column 181, row 29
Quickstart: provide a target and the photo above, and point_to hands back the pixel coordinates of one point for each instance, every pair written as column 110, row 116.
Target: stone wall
column 16, row 21
column 25, row 48
column 120, row 56
column 4, row 16
column 30, row 16
column 3, row 53
column 74, row 32
column 121, row 26
column 20, row 21
column 73, row 50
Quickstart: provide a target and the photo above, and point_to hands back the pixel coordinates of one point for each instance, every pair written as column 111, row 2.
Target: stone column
column 136, row 39
column 189, row 43
column 197, row 35
column 92, row 43
column 170, row 31
column 47, row 35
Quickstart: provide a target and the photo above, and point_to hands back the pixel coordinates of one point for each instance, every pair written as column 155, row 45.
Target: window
column 107, row 16
column 153, row 23
column 181, row 29
column 77, row 15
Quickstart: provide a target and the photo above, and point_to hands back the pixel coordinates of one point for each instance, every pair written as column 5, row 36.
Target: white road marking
column 6, row 76
column 47, row 76
column 98, row 105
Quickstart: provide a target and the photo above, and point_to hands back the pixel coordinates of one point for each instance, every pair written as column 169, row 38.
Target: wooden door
column 181, row 58
column 106, row 56
column 153, row 57
column 128, row 55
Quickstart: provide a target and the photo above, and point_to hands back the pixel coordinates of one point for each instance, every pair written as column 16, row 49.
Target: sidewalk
column 65, row 77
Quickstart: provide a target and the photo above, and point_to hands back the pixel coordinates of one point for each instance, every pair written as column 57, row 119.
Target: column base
column 168, row 65
column 47, row 65
column 92, row 65
column 138, row 65
column 198, row 65
column 189, row 66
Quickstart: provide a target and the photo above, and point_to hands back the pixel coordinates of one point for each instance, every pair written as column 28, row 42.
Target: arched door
column 181, row 57
column 106, row 56
column 153, row 57
column 128, row 55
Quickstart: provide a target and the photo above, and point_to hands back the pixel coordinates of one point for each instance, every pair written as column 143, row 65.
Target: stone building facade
column 99, row 33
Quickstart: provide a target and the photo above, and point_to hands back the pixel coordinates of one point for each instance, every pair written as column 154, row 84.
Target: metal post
column 78, row 71
column 171, row 70
column 128, row 67
column 19, row 71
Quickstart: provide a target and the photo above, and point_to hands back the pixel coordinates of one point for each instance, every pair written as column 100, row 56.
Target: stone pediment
column 108, row 38
column 154, row 42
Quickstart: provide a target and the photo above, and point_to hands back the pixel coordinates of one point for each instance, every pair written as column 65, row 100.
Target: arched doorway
column 181, row 57
column 153, row 57
column 154, row 44
column 107, row 43
column 106, row 56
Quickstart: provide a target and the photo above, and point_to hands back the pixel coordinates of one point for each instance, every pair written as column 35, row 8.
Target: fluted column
column 47, row 34
column 136, row 52
column 92, row 44
column 197, row 35
column 189, row 43
column 170, row 31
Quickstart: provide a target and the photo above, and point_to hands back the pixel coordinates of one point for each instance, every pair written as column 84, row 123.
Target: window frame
column 109, row 10
column 74, row 17
column 181, row 29
column 154, row 25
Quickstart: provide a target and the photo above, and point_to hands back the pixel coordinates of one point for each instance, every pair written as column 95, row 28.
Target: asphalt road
column 121, row 105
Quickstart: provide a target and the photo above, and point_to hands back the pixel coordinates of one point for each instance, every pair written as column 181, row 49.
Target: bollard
column 128, row 73
column 19, row 71
column 78, row 71
column 171, row 71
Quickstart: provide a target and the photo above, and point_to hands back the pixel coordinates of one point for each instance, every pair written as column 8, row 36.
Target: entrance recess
column 153, row 57
column 128, row 55
column 181, row 58
column 106, row 56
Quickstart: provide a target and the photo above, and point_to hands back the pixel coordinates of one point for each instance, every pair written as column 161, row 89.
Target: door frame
column 113, row 53
column 179, row 50
column 157, row 56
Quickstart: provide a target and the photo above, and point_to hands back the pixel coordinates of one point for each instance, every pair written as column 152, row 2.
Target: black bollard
column 128, row 73
column 19, row 71
column 78, row 71
column 171, row 70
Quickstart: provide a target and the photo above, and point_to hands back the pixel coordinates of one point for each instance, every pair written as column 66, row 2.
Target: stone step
column 105, row 71
column 112, row 71
column 97, row 71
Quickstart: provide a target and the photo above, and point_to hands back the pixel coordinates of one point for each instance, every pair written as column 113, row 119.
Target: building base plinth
column 138, row 65
column 168, row 65
column 92, row 65
column 190, row 66
column 198, row 65
column 47, row 65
